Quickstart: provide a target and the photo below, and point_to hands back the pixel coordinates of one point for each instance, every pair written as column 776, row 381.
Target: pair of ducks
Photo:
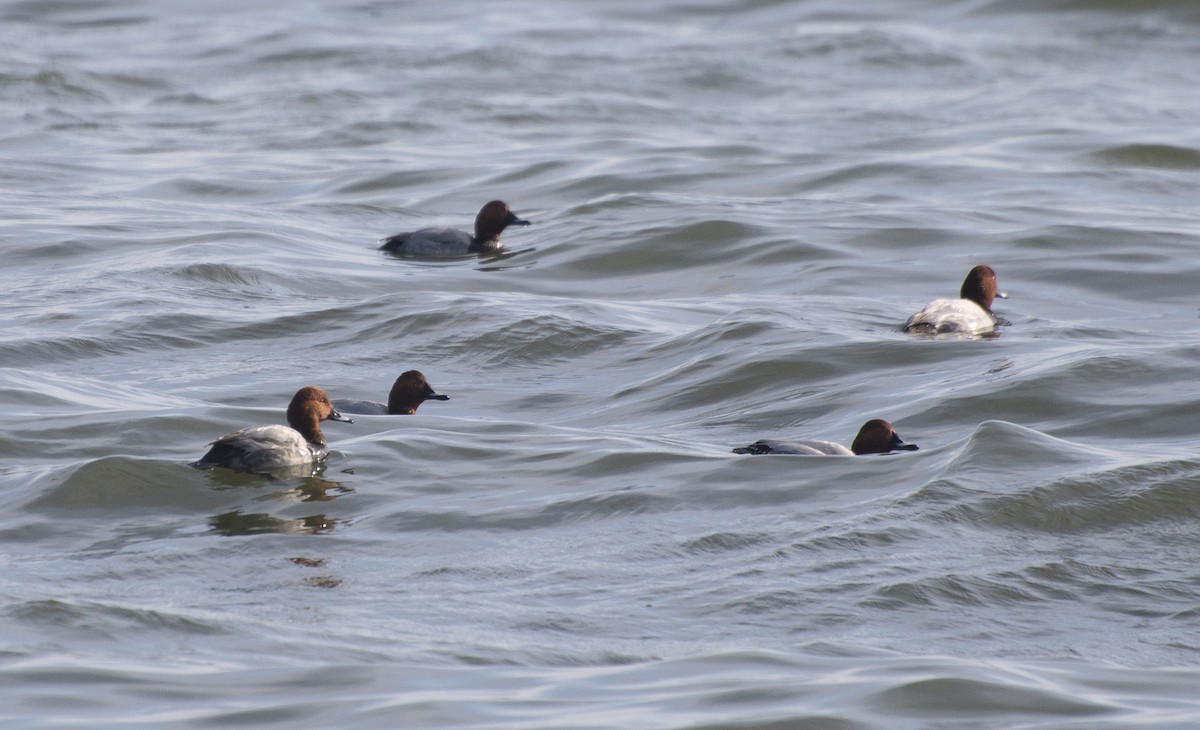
column 971, row 314
column 262, row 449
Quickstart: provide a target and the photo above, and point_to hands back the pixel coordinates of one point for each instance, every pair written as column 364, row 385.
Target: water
column 735, row 208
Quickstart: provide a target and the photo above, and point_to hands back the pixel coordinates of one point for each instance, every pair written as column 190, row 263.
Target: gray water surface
column 735, row 208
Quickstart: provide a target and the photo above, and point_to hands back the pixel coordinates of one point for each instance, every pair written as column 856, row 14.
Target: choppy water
column 735, row 207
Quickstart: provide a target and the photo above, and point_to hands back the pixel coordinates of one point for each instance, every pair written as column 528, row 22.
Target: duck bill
column 513, row 220
column 335, row 416
column 1001, row 295
column 898, row 445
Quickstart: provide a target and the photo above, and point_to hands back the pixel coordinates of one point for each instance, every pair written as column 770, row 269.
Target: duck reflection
column 297, row 488
column 295, row 491
column 238, row 522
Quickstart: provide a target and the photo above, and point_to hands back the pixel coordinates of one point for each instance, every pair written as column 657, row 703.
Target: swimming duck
column 875, row 437
column 493, row 218
column 970, row 315
column 409, row 391
column 262, row 448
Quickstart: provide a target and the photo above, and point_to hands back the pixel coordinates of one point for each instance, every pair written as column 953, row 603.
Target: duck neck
column 309, row 427
column 480, row 244
column 400, row 405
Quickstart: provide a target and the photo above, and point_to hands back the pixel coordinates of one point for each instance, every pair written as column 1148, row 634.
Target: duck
column 970, row 315
column 261, row 449
column 491, row 221
column 875, row 437
column 409, row 391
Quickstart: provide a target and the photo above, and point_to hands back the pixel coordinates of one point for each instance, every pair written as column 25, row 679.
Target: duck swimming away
column 970, row 315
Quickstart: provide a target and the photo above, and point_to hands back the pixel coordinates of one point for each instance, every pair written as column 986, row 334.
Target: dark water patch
column 55, row 84
column 361, row 135
column 474, row 573
column 1161, row 156
column 98, row 621
column 558, row 625
column 39, row 393
column 1118, row 587
column 847, row 175
column 1136, row 267
column 721, row 542
column 968, row 700
column 585, row 509
column 319, row 57
column 249, row 292
column 1097, row 241
column 860, row 539
column 517, row 336
column 704, row 373
column 770, row 603
column 875, row 44
column 960, row 590
column 26, row 353
column 228, row 278
column 992, row 444
column 617, row 467
column 116, row 486
column 70, row 433
column 806, row 483
column 777, row 377
column 192, row 188
column 130, row 83
column 717, row 77
column 1123, row 498
column 979, row 469
column 184, row 99
column 813, row 721
column 1178, row 10
column 691, row 244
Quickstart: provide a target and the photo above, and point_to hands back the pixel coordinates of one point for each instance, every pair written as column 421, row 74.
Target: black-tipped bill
column 898, row 445
column 431, row 394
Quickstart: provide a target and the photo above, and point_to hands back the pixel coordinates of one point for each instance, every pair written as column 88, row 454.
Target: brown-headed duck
column 493, row 218
column 263, row 448
column 970, row 315
column 409, row 391
column 875, row 437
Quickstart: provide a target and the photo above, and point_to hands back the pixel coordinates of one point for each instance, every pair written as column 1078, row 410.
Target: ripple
column 106, row 621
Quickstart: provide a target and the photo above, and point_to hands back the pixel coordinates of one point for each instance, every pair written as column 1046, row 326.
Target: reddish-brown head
column 493, row 218
column 878, row 437
column 409, row 391
column 308, row 408
column 980, row 287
